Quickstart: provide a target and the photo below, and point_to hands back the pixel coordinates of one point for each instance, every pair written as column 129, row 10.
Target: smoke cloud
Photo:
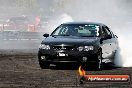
column 114, row 13
column 117, row 14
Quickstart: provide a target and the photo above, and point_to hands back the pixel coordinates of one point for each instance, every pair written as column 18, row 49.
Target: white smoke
column 116, row 13
column 56, row 21
column 124, row 55
column 63, row 18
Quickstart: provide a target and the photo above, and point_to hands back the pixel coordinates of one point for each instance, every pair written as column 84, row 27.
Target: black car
column 79, row 42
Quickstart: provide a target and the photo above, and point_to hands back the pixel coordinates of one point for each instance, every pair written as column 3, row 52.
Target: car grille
column 64, row 59
column 63, row 47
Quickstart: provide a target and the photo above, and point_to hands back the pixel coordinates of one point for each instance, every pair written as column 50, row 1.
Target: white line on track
column 12, row 39
column 34, row 39
column 24, row 39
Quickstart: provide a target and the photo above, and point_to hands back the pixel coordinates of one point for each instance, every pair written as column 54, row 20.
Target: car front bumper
column 70, row 56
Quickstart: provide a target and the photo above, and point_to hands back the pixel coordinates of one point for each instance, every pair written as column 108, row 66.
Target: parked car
column 79, row 42
column 21, row 23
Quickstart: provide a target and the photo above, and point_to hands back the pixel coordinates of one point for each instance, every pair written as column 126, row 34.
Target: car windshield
column 81, row 30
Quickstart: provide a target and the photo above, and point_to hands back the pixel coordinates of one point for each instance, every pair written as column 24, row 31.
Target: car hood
column 70, row 40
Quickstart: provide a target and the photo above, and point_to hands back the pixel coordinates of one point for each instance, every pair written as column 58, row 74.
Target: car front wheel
column 99, row 61
column 44, row 65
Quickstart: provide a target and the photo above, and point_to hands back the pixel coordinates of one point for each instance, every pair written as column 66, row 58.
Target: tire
column 114, row 56
column 43, row 65
column 98, row 64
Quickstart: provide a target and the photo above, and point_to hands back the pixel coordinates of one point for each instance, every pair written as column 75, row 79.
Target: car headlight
column 43, row 46
column 80, row 48
column 85, row 48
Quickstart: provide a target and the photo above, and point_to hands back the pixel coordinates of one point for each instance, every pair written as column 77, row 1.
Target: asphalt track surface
column 19, row 68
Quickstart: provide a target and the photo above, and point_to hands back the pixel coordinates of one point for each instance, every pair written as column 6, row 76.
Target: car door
column 106, row 43
column 114, row 42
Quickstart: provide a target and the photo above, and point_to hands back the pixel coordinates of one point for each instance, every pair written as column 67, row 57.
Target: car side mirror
column 46, row 35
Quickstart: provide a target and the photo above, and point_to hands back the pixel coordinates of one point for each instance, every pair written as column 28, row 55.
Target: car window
column 64, row 31
column 81, row 30
column 112, row 34
column 103, row 31
column 108, row 31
